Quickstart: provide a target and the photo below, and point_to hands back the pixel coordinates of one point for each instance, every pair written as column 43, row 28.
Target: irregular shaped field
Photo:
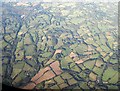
column 60, row 45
